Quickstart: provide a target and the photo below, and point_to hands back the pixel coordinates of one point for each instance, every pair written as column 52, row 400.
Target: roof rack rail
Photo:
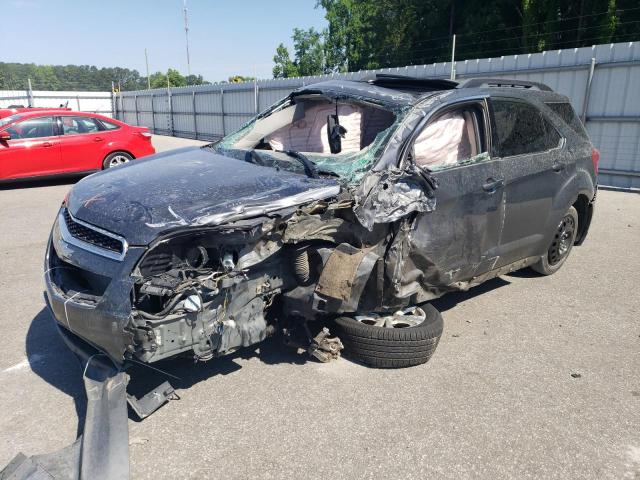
column 412, row 83
column 504, row 82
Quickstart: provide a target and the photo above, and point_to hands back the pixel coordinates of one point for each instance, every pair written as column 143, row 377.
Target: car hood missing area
column 187, row 187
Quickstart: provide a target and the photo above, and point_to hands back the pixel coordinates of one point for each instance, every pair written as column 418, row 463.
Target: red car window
column 32, row 128
column 109, row 125
column 79, row 125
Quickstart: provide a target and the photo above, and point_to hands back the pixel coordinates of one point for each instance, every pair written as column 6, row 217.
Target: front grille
column 89, row 235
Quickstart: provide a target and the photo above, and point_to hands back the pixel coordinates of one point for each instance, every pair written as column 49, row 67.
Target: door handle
column 47, row 144
column 98, row 139
column 491, row 185
column 558, row 166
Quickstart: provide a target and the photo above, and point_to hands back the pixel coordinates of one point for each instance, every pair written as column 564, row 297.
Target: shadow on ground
column 271, row 352
column 50, row 359
column 53, row 361
column 38, row 183
column 450, row 300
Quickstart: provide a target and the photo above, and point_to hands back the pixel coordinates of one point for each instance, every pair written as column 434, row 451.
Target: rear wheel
column 406, row 338
column 563, row 240
column 115, row 159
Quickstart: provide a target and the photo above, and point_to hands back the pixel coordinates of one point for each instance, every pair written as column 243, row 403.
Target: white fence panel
column 96, row 102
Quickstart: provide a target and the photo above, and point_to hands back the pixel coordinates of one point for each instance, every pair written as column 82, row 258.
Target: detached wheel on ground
column 116, row 158
column 403, row 339
column 561, row 245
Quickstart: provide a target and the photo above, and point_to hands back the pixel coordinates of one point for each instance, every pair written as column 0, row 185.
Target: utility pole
column 255, row 88
column 114, row 100
column 146, row 59
column 186, row 34
column 29, row 93
column 453, row 58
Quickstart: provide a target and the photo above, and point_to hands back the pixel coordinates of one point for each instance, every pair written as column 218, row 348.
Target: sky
column 225, row 37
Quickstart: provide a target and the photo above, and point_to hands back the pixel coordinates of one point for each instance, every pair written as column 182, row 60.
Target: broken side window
column 520, row 128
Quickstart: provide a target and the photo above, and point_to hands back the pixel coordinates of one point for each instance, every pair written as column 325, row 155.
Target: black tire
column 110, row 159
column 382, row 347
column 555, row 257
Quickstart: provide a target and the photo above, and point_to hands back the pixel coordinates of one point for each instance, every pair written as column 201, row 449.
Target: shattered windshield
column 303, row 130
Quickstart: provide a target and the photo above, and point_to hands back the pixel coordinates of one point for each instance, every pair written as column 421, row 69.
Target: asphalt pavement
column 535, row 377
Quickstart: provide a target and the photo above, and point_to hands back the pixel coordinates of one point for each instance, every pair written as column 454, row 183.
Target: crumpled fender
column 392, row 194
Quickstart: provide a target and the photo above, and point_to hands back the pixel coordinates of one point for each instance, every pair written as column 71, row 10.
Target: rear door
column 82, row 143
column 458, row 240
column 530, row 151
column 34, row 149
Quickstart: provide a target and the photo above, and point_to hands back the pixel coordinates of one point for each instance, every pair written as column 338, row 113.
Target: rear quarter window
column 520, row 128
column 109, row 125
column 566, row 112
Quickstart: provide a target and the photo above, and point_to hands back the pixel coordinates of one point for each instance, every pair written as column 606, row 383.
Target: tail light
column 145, row 134
column 595, row 157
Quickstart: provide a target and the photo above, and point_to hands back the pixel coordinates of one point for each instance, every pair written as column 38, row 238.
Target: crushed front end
column 206, row 291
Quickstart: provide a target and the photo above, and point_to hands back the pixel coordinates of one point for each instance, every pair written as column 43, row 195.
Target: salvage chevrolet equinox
column 353, row 203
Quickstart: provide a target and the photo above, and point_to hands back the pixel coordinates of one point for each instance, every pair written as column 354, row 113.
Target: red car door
column 33, row 149
column 82, row 143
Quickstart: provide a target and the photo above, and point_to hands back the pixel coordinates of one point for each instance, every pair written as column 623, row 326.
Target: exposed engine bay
column 208, row 292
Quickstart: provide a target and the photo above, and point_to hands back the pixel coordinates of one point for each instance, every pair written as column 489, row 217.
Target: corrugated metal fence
column 603, row 83
column 96, row 102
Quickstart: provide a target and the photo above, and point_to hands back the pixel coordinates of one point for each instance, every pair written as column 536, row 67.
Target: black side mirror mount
column 335, row 133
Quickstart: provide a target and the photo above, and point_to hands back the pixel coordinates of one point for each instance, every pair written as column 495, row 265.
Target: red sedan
column 55, row 142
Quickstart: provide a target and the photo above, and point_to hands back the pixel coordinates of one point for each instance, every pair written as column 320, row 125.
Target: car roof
column 44, row 112
column 40, row 112
column 352, row 88
column 405, row 90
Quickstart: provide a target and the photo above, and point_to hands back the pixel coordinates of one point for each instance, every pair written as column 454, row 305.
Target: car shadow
column 37, row 183
column 51, row 360
column 183, row 373
column 57, row 365
column 450, row 300
column 525, row 273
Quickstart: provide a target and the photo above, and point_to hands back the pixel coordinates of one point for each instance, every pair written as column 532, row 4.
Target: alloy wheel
column 562, row 240
column 409, row 317
column 118, row 160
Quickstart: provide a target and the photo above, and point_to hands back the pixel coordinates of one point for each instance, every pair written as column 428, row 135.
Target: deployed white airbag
column 309, row 134
column 441, row 142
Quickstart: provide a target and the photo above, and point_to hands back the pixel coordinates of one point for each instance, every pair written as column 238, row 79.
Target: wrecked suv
column 355, row 202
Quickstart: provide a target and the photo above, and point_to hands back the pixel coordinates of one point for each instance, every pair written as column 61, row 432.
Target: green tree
column 175, row 79
column 309, row 55
column 158, row 80
column 309, row 51
column 196, row 80
column 367, row 34
column 284, row 66
column 83, row 77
